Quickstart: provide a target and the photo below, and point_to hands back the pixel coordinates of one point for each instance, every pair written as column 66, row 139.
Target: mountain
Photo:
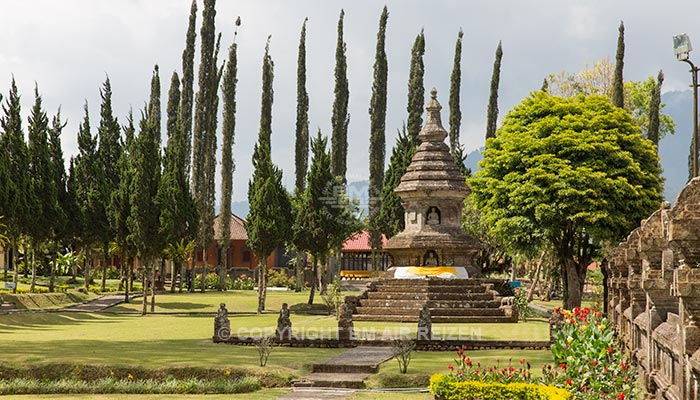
column 674, row 149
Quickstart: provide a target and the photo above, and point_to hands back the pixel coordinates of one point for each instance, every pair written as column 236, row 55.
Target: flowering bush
column 466, row 370
column 445, row 387
column 589, row 359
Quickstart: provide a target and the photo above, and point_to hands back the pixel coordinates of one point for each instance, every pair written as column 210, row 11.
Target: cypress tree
column 143, row 221
column 86, row 191
column 43, row 194
column 59, row 221
column 301, row 148
column 618, row 89
column 455, row 84
column 655, row 109
column 268, row 223
column 227, row 165
column 185, row 110
column 107, row 160
column 492, row 112
column 416, row 89
column 340, row 118
column 377, row 141
column 391, row 215
column 205, row 110
column 18, row 184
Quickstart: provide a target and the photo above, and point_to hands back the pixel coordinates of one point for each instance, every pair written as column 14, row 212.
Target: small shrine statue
column 431, row 259
column 222, row 325
column 433, row 217
column 345, row 324
column 425, row 325
column 284, row 324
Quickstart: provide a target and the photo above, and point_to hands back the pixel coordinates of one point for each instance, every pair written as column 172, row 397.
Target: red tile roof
column 360, row 242
column 238, row 231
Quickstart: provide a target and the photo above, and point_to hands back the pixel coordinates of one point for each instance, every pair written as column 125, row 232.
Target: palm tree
column 179, row 252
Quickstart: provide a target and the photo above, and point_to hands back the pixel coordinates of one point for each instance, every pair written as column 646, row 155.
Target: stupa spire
column 433, row 130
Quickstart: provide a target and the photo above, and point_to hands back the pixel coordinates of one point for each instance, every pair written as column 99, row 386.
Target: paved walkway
column 100, row 303
column 318, row 394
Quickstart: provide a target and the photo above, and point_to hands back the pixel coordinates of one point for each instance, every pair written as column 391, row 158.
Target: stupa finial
column 433, row 130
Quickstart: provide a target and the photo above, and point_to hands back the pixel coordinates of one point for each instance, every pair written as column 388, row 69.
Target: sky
column 68, row 47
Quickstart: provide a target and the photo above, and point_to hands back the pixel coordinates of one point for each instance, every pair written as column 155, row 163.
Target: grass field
column 264, row 394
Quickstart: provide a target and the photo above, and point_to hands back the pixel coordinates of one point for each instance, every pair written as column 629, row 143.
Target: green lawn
column 264, row 394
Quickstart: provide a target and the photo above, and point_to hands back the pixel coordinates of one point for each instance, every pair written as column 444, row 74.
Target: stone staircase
column 347, row 370
column 449, row 300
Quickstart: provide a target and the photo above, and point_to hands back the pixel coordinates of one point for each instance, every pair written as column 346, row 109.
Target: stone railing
column 654, row 296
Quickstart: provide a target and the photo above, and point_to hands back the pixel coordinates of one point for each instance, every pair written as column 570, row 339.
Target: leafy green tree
column 573, row 173
column 268, row 223
column 120, row 204
column 416, row 89
column 325, row 216
column 655, row 110
column 43, row 194
column 340, row 118
column 456, row 148
column 186, row 99
column 618, row 89
column 391, row 215
column 108, row 155
column 59, row 221
column 377, row 140
column 18, row 184
column 492, row 111
column 301, row 148
column 227, row 165
column 144, row 218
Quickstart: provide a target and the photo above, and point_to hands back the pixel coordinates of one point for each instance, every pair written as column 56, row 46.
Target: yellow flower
column 111, row 373
column 583, row 328
column 228, row 372
column 130, row 377
column 601, row 327
column 570, row 358
column 569, row 339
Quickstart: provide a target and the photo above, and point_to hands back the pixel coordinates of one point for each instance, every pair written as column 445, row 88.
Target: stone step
column 431, row 289
column 435, row 312
column 431, row 303
column 332, row 380
column 436, row 319
column 429, row 296
column 332, row 368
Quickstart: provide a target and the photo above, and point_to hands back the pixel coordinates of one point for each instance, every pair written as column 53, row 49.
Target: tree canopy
column 570, row 172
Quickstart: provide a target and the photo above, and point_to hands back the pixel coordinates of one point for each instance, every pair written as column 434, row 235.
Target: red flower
column 623, row 365
column 451, row 368
column 594, row 363
column 562, row 365
column 468, row 362
column 522, row 361
column 568, row 382
column 621, row 396
column 609, row 349
column 583, row 388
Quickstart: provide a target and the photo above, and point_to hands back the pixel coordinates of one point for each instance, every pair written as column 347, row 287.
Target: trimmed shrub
column 445, row 387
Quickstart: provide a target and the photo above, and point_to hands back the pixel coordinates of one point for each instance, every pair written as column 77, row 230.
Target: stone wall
column 654, row 296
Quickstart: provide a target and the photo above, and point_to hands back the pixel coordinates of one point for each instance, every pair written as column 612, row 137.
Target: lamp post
column 682, row 48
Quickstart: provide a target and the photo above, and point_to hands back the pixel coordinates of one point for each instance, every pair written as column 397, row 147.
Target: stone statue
column 431, row 259
column 222, row 325
column 425, row 325
column 284, row 324
column 345, row 325
column 433, row 217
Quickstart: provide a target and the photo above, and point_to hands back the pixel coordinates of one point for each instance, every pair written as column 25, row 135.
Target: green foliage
column 643, row 100
column 211, row 282
column 521, row 304
column 391, row 214
column 43, row 191
column 279, row 278
column 377, row 141
column 455, row 84
column 340, row 118
column 243, row 282
column 445, row 387
column 590, row 357
column 569, row 172
column 618, row 91
column 184, row 118
column 416, row 89
column 333, row 296
column 492, row 111
column 301, row 147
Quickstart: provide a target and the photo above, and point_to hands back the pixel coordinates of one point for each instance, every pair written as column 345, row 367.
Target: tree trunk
column 299, row 264
column 15, row 256
column 183, row 275
column 222, row 270
column 204, row 269
column 52, row 272
column 313, row 283
column 75, row 271
column 153, row 289
column 575, row 276
column 536, row 279
column 86, row 270
column 262, row 285
column 6, row 264
column 144, row 281
column 129, row 278
column 173, row 276
column 320, row 273
column 104, row 266
column 33, row 284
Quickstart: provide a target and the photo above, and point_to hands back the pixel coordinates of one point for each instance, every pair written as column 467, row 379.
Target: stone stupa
column 432, row 191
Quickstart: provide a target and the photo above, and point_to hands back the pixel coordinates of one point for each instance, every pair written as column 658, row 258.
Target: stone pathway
column 345, row 371
column 317, row 394
column 100, row 303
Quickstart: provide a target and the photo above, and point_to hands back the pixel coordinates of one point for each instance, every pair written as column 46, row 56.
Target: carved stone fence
column 654, row 296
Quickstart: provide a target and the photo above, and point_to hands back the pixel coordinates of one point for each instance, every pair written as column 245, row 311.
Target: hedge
column 444, row 387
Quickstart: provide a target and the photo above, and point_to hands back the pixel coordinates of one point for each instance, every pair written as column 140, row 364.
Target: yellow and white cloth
column 433, row 272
